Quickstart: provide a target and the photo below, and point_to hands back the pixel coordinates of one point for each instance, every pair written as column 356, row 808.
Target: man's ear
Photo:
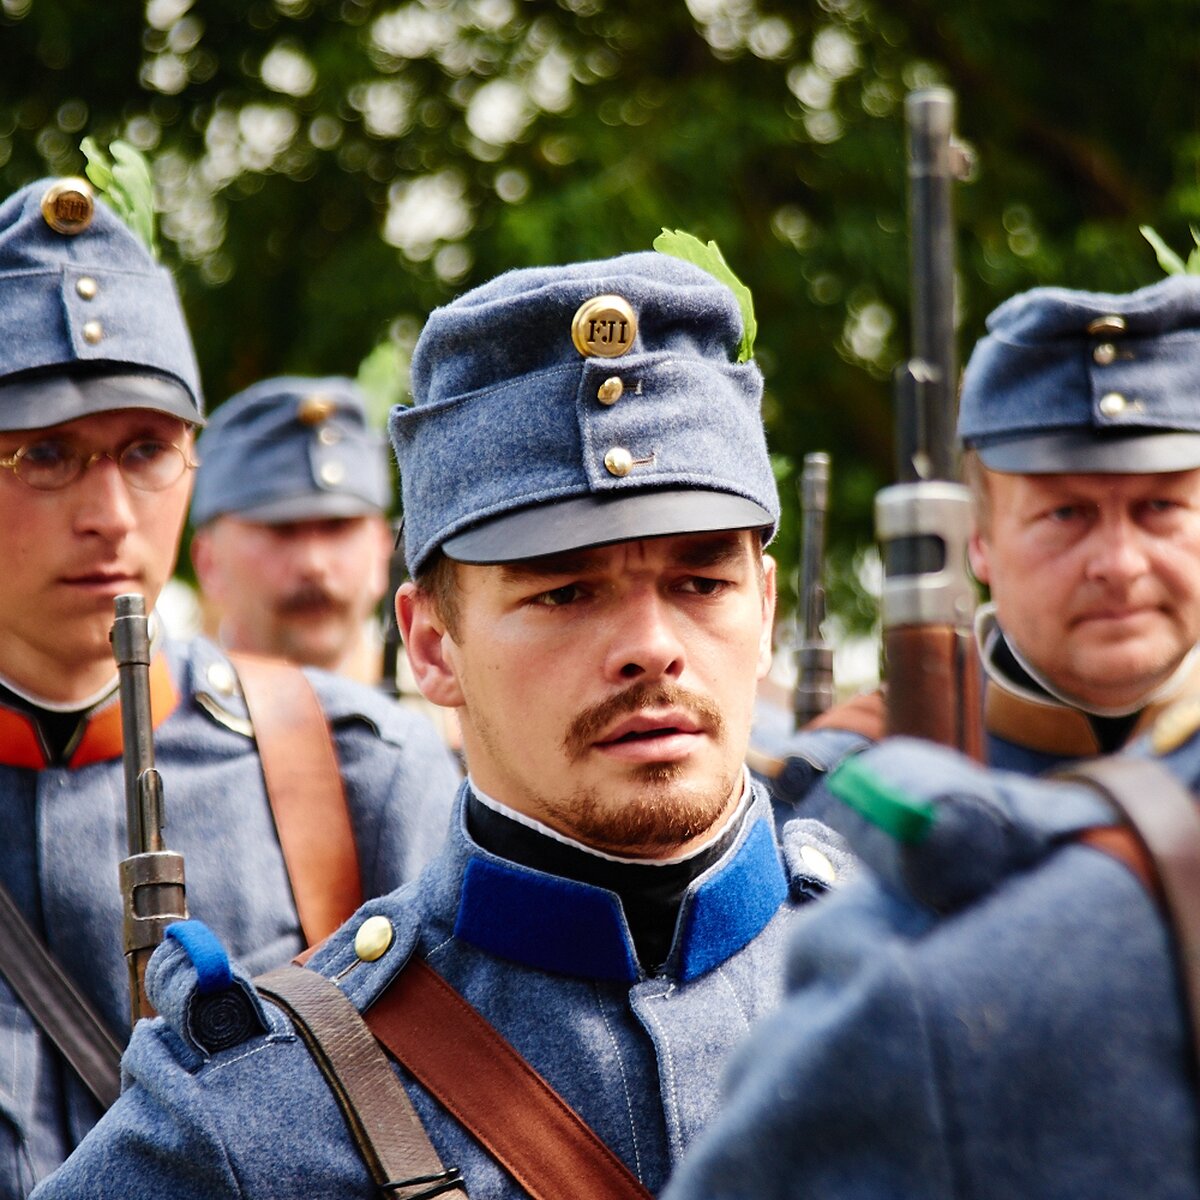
column 978, row 557
column 427, row 642
column 766, row 639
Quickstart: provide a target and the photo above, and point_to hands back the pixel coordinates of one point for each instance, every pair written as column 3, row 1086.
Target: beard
column 668, row 808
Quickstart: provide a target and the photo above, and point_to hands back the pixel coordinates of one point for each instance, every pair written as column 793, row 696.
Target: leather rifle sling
column 1161, row 845
column 62, row 1011
column 382, row 1120
column 304, row 787
column 457, row 1056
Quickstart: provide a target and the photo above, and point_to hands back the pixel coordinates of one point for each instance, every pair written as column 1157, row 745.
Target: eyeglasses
column 147, row 464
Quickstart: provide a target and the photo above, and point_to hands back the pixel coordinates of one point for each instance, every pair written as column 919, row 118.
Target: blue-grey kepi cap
column 557, row 408
column 88, row 320
column 291, row 448
column 1070, row 381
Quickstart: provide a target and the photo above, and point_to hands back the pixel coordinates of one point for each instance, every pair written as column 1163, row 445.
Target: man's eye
column 49, row 453
column 557, row 597
column 703, row 586
column 144, row 452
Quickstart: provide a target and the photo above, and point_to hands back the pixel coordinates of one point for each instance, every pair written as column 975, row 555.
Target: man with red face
column 99, row 403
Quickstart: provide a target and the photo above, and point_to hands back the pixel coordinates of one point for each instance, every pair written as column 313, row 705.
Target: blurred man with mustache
column 292, row 542
column 587, row 495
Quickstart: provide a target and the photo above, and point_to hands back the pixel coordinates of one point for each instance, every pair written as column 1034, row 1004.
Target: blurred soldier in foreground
column 292, row 541
column 1080, row 419
column 995, row 1008
column 588, row 492
column 99, row 398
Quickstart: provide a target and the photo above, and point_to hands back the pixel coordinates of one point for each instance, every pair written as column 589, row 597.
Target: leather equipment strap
column 382, row 1120
column 56, row 1004
column 304, row 787
column 1163, row 822
column 480, row 1078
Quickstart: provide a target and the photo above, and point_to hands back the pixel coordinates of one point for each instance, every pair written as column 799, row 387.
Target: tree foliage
column 329, row 170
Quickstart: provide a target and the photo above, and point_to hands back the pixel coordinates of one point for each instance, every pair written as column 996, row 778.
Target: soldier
column 292, row 541
column 99, row 398
column 1080, row 419
column 587, row 491
column 994, row 1008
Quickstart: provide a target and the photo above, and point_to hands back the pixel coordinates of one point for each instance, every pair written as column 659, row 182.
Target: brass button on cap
column 618, row 461
column 86, row 287
column 314, row 409
column 1113, row 404
column 332, row 473
column 604, row 327
column 611, row 390
column 93, row 332
column 329, row 436
column 1108, row 324
column 373, row 938
column 1105, row 354
column 68, row 206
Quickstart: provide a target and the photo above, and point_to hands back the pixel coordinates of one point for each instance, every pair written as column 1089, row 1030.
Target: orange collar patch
column 21, row 746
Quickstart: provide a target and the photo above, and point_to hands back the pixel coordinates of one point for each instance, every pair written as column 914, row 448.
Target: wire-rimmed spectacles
column 148, row 464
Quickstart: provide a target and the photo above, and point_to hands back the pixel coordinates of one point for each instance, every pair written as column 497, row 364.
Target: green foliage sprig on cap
column 1168, row 259
column 708, row 256
column 125, row 182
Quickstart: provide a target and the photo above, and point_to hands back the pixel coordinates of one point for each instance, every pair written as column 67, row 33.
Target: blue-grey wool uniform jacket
column 64, row 834
column 547, row 960
column 990, row 1011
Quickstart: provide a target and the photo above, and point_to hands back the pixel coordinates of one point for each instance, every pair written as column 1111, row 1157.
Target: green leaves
column 125, row 183
column 383, row 378
column 1168, row 259
column 707, row 256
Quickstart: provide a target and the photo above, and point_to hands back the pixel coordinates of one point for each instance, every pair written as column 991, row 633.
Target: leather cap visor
column 309, row 506
column 1080, row 452
column 37, row 401
column 586, row 521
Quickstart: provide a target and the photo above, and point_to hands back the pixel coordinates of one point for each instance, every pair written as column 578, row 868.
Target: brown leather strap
column 863, row 714
column 480, row 1078
column 1164, row 816
column 304, row 786
column 56, row 1004
column 382, row 1120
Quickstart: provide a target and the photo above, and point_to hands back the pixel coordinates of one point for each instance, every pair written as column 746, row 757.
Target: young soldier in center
column 588, row 492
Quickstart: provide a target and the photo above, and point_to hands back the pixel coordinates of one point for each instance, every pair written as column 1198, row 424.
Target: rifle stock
column 152, row 883
column 923, row 522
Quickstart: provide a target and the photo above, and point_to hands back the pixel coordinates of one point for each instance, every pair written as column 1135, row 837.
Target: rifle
column 152, row 876
column 814, row 655
column 923, row 521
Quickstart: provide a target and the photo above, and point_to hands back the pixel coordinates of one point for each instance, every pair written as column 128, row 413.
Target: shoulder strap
column 56, row 1004
column 1161, row 845
column 385, row 1126
column 481, row 1079
column 304, row 787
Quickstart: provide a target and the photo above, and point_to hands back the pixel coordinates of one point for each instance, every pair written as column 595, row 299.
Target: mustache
column 308, row 597
column 592, row 722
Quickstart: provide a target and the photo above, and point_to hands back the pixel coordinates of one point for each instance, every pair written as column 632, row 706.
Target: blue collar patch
column 557, row 925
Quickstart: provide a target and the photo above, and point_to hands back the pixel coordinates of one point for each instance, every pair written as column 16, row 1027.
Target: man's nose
column 104, row 504
column 646, row 644
column 1118, row 553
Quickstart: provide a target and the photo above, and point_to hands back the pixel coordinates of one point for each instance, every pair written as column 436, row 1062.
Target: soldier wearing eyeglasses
column 99, row 403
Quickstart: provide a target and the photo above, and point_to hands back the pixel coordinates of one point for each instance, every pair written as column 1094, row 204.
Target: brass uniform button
column 1112, row 404
column 1105, row 354
column 373, row 938
column 329, row 436
column 604, row 327
column 817, row 861
column 93, row 332
column 618, row 461
column 332, row 473
column 314, row 409
column 221, row 678
column 86, row 287
column 1176, row 725
column 611, row 390
column 1109, row 324
column 68, row 206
